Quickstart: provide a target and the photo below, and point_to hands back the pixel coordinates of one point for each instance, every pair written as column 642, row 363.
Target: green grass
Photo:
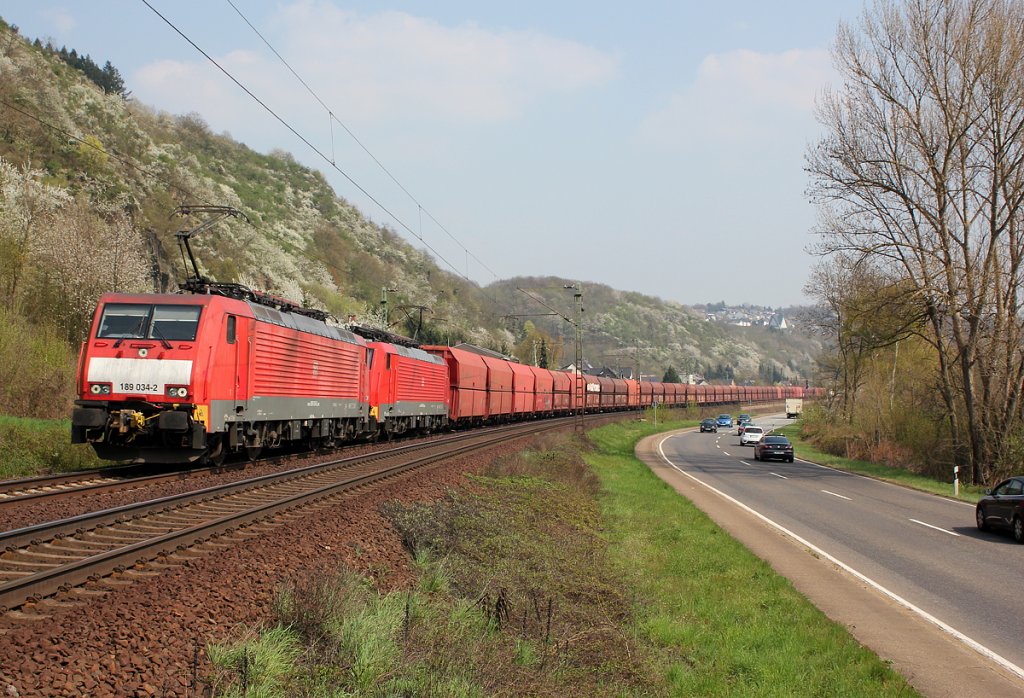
column 724, row 623
column 901, row 476
column 38, row 446
column 565, row 569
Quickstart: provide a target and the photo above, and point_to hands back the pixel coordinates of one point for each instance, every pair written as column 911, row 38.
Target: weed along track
column 142, row 539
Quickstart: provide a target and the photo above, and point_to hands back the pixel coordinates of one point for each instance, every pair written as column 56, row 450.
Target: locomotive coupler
column 128, row 420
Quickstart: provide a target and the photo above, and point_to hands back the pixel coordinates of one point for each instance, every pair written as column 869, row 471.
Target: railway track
column 66, row 485
column 39, row 561
column 52, row 487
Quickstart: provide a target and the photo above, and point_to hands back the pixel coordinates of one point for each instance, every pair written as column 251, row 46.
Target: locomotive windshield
column 141, row 321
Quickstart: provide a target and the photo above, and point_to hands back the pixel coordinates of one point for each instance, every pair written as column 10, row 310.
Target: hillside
column 88, row 182
column 629, row 330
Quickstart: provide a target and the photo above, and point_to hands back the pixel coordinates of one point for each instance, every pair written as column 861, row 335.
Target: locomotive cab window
column 136, row 321
column 231, row 329
column 123, row 321
column 177, row 322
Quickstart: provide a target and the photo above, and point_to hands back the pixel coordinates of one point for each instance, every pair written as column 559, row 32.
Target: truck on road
column 794, row 407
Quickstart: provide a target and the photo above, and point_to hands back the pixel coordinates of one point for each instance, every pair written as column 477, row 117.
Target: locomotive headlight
column 95, row 389
column 182, row 392
column 105, row 389
column 176, row 391
column 100, row 388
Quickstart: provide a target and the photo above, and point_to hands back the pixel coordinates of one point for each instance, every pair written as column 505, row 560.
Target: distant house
column 778, row 322
column 588, row 368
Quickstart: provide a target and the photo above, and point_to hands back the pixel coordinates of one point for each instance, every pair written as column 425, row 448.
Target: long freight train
column 168, row 378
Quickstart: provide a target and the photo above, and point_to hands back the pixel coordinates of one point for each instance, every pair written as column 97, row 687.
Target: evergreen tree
column 671, row 376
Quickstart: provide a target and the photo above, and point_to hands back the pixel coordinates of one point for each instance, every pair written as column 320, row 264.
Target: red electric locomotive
column 408, row 389
column 167, row 378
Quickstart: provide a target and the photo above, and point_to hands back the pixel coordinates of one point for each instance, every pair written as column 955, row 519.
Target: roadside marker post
column 956, row 480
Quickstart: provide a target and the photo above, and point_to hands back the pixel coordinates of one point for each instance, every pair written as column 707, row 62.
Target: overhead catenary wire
column 313, row 147
column 333, row 118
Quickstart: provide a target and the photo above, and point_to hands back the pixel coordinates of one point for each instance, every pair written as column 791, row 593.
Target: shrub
column 37, row 369
column 34, row 446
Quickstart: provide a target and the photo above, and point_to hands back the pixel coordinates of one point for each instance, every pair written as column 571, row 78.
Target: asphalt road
column 923, row 548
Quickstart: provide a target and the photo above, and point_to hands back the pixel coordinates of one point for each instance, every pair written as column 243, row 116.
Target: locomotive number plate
column 138, row 388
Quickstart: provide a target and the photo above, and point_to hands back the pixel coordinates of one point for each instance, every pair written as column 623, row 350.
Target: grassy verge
column 806, row 450
column 37, row 446
column 722, row 621
column 556, row 574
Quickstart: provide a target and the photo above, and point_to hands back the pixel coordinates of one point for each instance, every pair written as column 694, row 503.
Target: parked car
column 724, row 421
column 1003, row 507
column 751, row 435
column 708, row 425
column 773, row 446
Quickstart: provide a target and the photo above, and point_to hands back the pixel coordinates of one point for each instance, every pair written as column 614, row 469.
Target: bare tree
column 922, row 171
column 859, row 311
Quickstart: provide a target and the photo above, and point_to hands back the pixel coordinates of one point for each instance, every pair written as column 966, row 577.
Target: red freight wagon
column 467, row 376
column 632, row 393
column 658, row 393
column 607, row 392
column 621, row 394
column 646, row 393
column 562, row 395
column 544, row 388
column 684, row 394
column 169, row 377
column 499, row 387
column 700, row 395
column 523, row 387
column 592, row 392
column 408, row 388
column 670, row 393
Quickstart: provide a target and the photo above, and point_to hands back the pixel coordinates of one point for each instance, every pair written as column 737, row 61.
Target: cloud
column 61, row 20
column 385, row 65
column 740, row 97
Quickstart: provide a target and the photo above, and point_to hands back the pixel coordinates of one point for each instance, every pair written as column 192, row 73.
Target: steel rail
column 33, row 583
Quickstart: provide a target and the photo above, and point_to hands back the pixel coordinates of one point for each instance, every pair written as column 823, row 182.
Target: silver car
column 751, row 435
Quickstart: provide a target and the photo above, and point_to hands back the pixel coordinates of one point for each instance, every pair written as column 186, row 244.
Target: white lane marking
column 837, row 495
column 952, row 533
column 782, row 476
column 848, row 472
column 744, row 462
column 725, row 452
column 945, row 627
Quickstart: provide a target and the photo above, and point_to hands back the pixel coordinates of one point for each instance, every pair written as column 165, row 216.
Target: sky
column 652, row 146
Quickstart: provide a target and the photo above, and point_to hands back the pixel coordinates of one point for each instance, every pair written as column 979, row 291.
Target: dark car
column 773, row 447
column 708, row 425
column 1003, row 507
column 724, row 421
